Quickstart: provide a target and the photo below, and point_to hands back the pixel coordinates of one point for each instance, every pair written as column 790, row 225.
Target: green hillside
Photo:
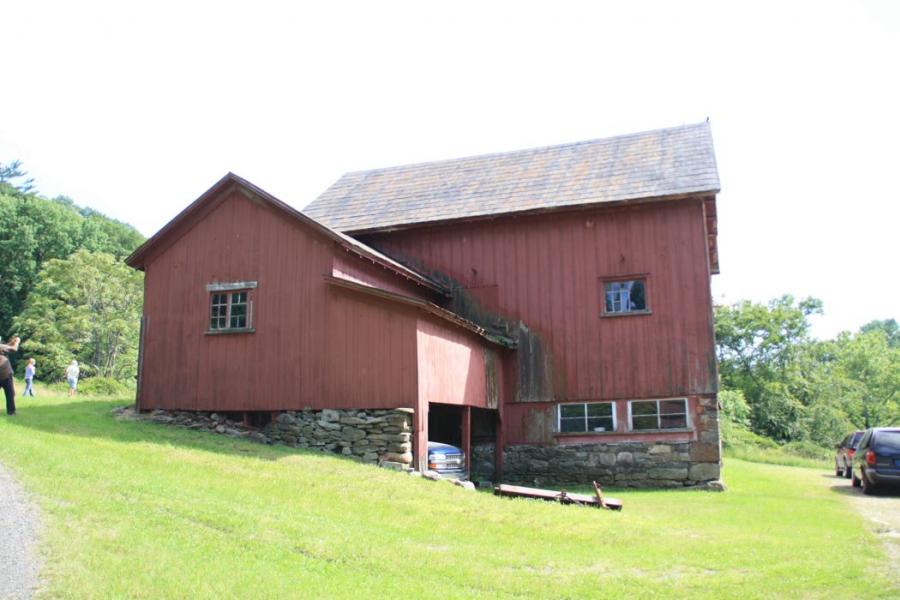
column 135, row 509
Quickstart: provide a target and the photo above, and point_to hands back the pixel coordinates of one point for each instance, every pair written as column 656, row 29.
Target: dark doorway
column 445, row 423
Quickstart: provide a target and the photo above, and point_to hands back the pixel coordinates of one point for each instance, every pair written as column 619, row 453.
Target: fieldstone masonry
column 619, row 463
column 381, row 437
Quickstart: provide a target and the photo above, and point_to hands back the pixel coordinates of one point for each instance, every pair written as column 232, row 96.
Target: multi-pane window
column 587, row 417
column 229, row 310
column 658, row 414
column 625, row 296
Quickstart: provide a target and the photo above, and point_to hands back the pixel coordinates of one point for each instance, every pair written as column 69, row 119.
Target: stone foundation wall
column 381, row 437
column 620, row 463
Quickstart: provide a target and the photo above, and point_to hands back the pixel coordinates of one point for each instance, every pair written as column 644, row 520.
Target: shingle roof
column 664, row 162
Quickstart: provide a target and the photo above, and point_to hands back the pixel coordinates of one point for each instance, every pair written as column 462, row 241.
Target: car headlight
column 438, row 457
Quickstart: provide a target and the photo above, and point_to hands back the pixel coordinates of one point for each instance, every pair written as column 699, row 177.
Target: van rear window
column 854, row 439
column 887, row 441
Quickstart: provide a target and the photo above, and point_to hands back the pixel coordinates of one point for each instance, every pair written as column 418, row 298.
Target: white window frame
column 624, row 295
column 687, row 415
column 586, row 432
column 228, row 290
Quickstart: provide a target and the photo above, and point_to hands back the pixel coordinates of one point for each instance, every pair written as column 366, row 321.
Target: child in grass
column 72, row 372
column 29, row 376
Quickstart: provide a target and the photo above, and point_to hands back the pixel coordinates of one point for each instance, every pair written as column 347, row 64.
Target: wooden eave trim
column 425, row 306
column 700, row 194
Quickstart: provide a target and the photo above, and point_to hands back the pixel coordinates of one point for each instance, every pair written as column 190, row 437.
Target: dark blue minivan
column 876, row 463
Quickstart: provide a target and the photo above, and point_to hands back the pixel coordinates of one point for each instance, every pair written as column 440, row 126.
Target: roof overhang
column 442, row 313
column 195, row 211
column 536, row 211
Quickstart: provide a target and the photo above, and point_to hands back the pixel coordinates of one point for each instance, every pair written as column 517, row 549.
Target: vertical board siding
column 312, row 347
column 548, row 270
column 451, row 365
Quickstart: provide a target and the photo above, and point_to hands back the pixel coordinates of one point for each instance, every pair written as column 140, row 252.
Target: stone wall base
column 381, row 437
column 624, row 464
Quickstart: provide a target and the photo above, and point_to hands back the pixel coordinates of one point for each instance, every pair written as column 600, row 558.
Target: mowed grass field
column 138, row 510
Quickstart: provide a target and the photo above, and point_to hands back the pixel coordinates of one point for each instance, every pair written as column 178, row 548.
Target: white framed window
column 625, row 295
column 670, row 413
column 586, row 417
column 230, row 307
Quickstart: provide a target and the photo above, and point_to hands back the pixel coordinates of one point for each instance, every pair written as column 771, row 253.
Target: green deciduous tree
column 761, row 351
column 86, row 307
column 800, row 389
column 34, row 230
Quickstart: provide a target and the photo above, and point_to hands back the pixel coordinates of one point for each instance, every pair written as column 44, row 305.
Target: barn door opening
column 445, row 424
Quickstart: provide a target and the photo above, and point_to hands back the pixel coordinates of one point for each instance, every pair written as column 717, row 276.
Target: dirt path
column 882, row 512
column 19, row 560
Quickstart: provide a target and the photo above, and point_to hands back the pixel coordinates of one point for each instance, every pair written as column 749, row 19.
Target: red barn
column 547, row 309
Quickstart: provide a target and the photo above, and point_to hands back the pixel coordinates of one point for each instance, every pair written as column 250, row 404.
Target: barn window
column 658, row 414
column 230, row 307
column 625, row 296
column 587, row 417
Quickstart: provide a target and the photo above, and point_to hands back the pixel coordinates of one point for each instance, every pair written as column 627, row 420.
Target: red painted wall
column 546, row 270
column 451, row 365
column 314, row 345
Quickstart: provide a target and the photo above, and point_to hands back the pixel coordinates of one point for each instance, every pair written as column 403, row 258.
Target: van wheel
column 867, row 488
column 855, row 480
column 838, row 471
column 847, row 472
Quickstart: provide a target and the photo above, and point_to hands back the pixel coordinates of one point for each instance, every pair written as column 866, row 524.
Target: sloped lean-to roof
column 653, row 164
column 179, row 225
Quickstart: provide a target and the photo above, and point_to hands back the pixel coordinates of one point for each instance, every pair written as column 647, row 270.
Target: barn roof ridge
column 669, row 162
column 168, row 232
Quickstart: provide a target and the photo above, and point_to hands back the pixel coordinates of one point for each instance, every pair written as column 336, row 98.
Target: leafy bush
column 735, row 407
column 103, row 386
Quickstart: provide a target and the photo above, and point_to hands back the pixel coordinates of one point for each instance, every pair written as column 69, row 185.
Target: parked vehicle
column 845, row 451
column 446, row 460
column 876, row 462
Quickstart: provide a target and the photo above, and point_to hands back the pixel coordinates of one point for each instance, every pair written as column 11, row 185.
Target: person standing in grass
column 72, row 372
column 6, row 374
column 29, row 377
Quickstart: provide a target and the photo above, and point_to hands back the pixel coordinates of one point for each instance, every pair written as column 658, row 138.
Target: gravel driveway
column 19, row 559
column 882, row 512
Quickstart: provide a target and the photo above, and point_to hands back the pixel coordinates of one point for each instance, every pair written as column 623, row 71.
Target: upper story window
column 625, row 296
column 230, row 307
column 587, row 417
column 658, row 414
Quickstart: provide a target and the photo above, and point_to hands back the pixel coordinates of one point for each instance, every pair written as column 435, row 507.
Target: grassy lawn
column 148, row 511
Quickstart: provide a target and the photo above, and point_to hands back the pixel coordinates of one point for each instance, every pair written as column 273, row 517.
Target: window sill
column 228, row 331
column 631, row 313
column 565, row 434
column 677, row 430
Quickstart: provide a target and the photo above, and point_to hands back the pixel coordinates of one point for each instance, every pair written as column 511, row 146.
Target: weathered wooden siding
column 371, row 353
column 546, row 270
column 352, row 268
column 314, row 346
column 451, row 366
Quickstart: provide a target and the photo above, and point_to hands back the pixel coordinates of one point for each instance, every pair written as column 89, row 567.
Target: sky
column 135, row 110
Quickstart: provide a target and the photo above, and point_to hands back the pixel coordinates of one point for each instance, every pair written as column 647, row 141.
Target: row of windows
column 230, row 310
column 599, row 417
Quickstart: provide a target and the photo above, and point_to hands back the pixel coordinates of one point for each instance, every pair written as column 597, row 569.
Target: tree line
column 63, row 286
column 779, row 382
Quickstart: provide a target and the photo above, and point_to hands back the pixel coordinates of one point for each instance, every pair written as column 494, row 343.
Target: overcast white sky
column 136, row 111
